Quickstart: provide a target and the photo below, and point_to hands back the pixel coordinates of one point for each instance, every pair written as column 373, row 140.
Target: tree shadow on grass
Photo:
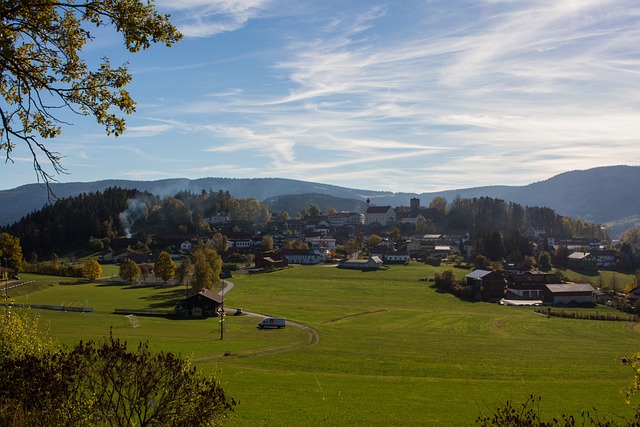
column 167, row 299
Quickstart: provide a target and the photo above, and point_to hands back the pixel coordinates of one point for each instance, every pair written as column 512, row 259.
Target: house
column 569, row 293
column 490, row 284
column 345, row 218
column 605, row 258
column 186, row 246
column 382, row 215
column 239, row 240
column 530, row 286
column 390, row 255
column 582, row 261
column 396, row 257
column 410, row 217
column 203, row 304
column 270, row 259
column 373, row 263
column 217, row 219
column 304, row 256
column 442, row 251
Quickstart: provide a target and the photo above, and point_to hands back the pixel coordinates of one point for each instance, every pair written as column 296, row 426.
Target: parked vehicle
column 272, row 322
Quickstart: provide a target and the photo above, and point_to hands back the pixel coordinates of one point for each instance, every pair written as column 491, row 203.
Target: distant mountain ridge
column 600, row 195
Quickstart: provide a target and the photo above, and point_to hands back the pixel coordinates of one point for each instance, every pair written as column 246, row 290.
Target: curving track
column 313, row 337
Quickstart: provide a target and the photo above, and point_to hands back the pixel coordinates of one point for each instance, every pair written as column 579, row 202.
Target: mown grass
column 391, row 350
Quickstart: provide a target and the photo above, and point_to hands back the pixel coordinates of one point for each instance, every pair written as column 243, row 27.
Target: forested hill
column 600, row 195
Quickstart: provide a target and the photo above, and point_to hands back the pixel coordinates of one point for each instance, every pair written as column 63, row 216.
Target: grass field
column 391, row 350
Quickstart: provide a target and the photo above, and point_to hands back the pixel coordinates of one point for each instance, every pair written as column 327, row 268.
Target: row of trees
column 485, row 215
column 201, row 273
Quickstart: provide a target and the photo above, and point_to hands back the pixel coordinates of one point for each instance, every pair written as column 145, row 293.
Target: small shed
column 203, row 304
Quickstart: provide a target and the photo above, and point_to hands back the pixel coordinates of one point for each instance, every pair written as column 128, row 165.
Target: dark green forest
column 95, row 219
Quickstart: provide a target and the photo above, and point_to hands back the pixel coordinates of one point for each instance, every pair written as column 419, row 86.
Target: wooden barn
column 203, row 304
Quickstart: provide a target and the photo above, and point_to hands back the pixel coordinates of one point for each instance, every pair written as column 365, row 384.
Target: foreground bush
column 528, row 415
column 102, row 384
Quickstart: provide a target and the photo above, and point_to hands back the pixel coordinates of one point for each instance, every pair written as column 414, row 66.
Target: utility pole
column 222, row 313
column 6, row 283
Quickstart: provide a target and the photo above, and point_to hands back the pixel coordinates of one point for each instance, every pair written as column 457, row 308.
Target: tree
column 10, row 252
column 219, row 242
column 207, row 267
column 130, row 271
column 445, row 279
column 42, row 71
column 423, row 225
column 91, row 269
column 544, row 261
column 481, row 262
column 394, row 235
column 20, row 336
column 313, row 210
column 284, row 215
column 631, row 236
column 374, row 240
column 267, row 243
column 493, row 245
column 164, row 267
column 183, row 270
column 439, row 203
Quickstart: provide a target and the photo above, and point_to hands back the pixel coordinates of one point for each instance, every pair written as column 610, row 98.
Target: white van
column 272, row 322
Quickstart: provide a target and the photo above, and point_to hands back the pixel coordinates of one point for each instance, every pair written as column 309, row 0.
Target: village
column 382, row 237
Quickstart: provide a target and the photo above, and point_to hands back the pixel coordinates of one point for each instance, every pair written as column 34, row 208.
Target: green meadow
column 377, row 348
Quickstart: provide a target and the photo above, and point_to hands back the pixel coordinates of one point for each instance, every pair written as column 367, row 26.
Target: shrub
column 99, row 383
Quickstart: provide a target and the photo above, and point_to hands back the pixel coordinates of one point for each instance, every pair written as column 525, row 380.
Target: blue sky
column 400, row 95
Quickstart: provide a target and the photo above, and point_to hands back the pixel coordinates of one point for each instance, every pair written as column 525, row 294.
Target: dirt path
column 313, row 337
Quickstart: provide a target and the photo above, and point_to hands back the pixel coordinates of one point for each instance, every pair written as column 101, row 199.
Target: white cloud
column 204, row 18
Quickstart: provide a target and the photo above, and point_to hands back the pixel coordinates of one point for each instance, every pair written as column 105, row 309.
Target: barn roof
column 206, row 293
column 570, row 288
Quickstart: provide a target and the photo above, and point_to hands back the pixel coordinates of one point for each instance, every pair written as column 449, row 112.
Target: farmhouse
column 270, row 259
column 303, row 256
column 203, row 304
column 529, row 286
column 490, row 283
column 582, row 261
column 373, row 263
column 569, row 293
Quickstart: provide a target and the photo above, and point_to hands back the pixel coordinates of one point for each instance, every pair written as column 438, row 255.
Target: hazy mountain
column 600, row 195
column 294, row 203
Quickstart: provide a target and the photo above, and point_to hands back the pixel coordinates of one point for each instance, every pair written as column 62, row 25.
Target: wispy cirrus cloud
column 531, row 81
column 204, row 18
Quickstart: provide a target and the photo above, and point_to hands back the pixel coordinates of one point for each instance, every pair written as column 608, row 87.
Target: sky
column 397, row 95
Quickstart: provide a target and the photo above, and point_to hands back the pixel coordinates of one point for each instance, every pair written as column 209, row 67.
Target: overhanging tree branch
column 42, row 72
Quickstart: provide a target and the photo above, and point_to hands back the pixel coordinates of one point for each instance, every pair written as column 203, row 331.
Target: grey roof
column 478, row 274
column 570, row 288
